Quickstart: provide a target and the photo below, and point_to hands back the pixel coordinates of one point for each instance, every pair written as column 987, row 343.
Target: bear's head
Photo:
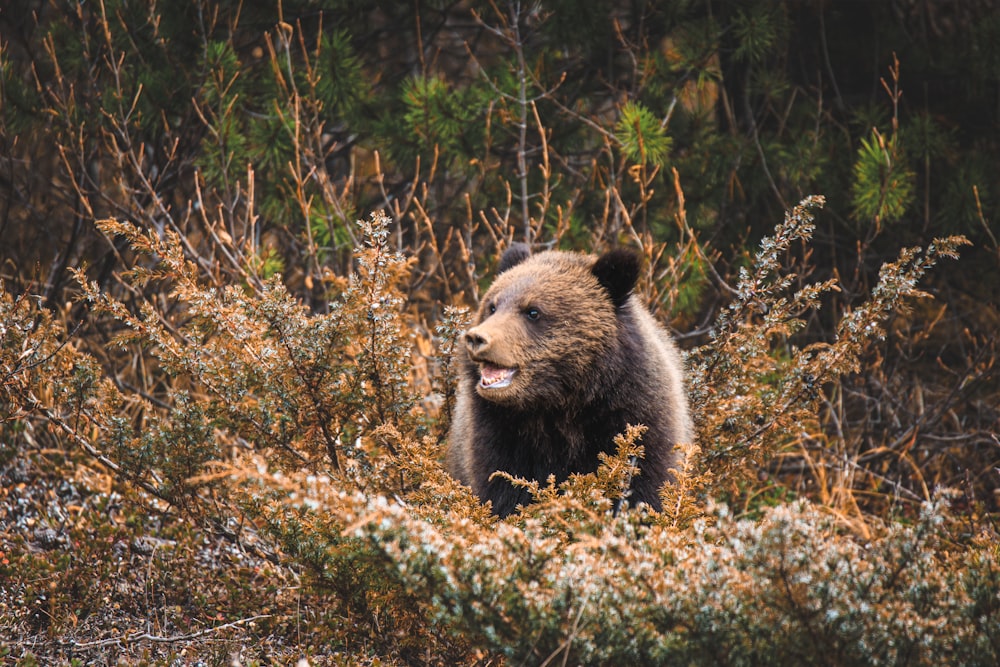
column 545, row 324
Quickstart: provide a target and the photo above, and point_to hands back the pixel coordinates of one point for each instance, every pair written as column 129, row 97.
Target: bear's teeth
column 495, row 377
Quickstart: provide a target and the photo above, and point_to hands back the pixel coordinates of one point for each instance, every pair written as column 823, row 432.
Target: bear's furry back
column 595, row 361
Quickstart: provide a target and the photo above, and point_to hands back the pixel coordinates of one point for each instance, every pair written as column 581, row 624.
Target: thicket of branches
column 213, row 372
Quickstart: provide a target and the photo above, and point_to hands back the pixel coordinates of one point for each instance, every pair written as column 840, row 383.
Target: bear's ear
column 617, row 271
column 514, row 255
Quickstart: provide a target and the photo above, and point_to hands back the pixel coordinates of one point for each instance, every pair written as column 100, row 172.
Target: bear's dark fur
column 560, row 358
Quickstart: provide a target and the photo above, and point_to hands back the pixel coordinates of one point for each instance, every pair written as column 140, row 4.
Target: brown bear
column 560, row 358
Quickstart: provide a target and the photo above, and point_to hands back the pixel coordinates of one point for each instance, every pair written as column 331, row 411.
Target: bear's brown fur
column 560, row 358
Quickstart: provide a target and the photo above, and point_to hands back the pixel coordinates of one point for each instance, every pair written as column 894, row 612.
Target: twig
column 982, row 218
column 146, row 637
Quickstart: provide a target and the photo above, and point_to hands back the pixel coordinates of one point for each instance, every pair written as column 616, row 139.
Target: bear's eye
column 492, row 308
column 533, row 313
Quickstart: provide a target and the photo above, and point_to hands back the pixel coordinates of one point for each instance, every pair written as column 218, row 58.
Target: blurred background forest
column 238, row 144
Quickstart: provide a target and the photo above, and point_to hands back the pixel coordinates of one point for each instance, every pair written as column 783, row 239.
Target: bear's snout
column 476, row 341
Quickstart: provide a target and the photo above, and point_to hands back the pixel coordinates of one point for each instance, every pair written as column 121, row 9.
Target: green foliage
column 804, row 161
column 757, row 30
column 981, row 55
column 926, row 139
column 438, row 118
column 883, row 184
column 343, row 88
column 224, row 147
column 643, row 137
column 15, row 94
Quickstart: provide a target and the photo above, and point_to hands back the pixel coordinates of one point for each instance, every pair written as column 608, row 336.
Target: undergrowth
column 298, row 439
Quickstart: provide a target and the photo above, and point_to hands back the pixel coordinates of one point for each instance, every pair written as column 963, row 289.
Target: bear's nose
column 475, row 340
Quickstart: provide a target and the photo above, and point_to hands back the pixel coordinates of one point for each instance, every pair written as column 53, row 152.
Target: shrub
column 298, row 437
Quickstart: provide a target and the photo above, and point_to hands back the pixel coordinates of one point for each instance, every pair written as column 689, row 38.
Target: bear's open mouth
column 495, row 377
